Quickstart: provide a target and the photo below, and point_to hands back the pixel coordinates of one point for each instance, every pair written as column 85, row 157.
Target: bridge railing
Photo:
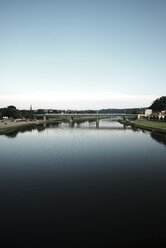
column 84, row 115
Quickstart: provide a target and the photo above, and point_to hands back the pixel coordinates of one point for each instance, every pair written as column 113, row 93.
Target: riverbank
column 8, row 126
column 152, row 126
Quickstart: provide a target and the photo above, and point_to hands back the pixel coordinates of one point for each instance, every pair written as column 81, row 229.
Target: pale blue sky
column 82, row 54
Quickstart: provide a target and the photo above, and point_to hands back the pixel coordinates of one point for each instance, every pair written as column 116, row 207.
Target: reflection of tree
column 135, row 129
column 52, row 125
column 161, row 138
column 23, row 129
column 40, row 128
column 13, row 133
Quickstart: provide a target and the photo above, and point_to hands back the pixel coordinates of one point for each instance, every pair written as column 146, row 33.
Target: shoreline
column 159, row 127
column 7, row 126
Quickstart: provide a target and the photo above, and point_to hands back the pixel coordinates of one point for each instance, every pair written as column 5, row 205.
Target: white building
column 148, row 111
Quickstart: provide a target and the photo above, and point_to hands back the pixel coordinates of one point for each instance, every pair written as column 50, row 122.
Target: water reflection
column 101, row 125
column 13, row 133
column 82, row 183
column 42, row 127
column 91, row 124
column 23, row 129
column 161, row 138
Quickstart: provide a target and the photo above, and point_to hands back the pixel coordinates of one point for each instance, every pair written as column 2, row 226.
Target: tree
column 11, row 107
column 159, row 104
column 40, row 111
column 28, row 114
column 11, row 111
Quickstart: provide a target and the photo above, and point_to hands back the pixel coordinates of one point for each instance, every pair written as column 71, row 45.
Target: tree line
column 12, row 112
column 159, row 104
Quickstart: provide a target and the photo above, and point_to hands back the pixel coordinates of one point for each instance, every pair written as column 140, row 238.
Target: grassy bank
column 153, row 126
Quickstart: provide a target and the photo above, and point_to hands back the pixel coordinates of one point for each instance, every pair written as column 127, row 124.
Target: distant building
column 148, row 111
column 146, row 114
column 162, row 114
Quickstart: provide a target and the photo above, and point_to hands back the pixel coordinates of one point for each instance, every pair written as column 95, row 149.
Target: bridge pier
column 71, row 122
column 97, row 122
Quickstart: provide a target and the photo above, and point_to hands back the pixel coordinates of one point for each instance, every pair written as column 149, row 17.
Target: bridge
column 69, row 116
column 74, row 117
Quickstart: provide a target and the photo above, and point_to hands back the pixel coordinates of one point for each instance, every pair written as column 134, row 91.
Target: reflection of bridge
column 123, row 127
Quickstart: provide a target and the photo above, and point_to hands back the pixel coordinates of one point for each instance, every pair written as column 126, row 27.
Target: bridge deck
column 85, row 115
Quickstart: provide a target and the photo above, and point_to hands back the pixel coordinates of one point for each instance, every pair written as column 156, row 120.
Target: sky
column 74, row 54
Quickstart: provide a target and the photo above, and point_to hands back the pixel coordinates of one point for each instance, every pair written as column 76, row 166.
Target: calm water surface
column 83, row 184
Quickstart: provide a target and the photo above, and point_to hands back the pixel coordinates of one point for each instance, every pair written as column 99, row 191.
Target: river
column 83, row 184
